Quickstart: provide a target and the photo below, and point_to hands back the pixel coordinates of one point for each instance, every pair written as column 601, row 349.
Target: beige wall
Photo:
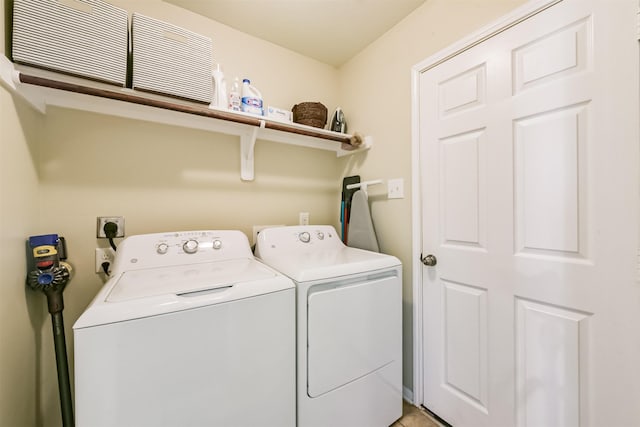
column 22, row 312
column 375, row 92
column 59, row 171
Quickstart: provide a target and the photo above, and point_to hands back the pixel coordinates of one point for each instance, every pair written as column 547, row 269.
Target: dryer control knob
column 162, row 248
column 304, row 237
column 217, row 244
column 320, row 235
column 190, row 246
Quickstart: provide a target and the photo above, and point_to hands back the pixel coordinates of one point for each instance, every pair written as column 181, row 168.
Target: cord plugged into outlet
column 104, row 259
column 110, row 230
column 110, row 227
column 116, row 228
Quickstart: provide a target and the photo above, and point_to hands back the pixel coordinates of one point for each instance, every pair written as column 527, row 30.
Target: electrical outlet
column 303, row 218
column 104, row 255
column 395, row 188
column 258, row 228
column 102, row 220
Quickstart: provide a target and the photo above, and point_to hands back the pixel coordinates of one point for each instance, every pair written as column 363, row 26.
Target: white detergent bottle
column 235, row 101
column 251, row 99
column 219, row 88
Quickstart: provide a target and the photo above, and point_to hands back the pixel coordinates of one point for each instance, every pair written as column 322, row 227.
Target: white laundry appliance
column 190, row 330
column 349, row 326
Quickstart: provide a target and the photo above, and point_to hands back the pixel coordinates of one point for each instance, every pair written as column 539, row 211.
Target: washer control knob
column 304, row 237
column 190, row 246
column 320, row 235
column 217, row 244
column 162, row 248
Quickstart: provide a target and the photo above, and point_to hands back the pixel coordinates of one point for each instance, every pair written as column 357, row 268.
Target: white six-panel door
column 529, row 192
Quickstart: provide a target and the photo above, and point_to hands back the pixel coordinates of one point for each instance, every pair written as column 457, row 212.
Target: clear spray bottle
column 235, row 99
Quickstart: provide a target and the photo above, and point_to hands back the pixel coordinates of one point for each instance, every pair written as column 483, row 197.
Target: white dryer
column 190, row 330
column 349, row 326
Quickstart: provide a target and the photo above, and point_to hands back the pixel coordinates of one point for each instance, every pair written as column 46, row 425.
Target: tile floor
column 413, row 416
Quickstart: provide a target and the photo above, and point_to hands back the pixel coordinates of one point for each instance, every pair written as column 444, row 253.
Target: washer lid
column 157, row 291
column 186, row 279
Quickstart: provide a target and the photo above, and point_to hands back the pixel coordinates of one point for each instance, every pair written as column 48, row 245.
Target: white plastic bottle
column 220, row 98
column 234, row 96
column 251, row 99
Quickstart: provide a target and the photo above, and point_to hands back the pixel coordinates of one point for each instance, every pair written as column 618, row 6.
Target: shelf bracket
column 8, row 75
column 10, row 79
column 247, row 148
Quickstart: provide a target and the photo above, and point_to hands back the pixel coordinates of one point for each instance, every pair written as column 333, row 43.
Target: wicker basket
column 310, row 114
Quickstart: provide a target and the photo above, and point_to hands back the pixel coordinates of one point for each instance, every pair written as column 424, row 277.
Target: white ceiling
column 331, row 31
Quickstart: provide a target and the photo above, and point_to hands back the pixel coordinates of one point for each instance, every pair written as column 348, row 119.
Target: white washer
column 349, row 326
column 190, row 330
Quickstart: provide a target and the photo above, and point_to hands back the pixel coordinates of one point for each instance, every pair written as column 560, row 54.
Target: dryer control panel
column 299, row 238
column 182, row 247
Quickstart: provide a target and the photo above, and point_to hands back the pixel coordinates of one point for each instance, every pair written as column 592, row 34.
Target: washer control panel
column 175, row 248
column 188, row 242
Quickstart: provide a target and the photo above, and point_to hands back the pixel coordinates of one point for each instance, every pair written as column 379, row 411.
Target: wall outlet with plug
column 104, row 255
column 102, row 220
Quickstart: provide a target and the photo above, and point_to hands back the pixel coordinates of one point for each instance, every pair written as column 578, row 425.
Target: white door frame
column 507, row 21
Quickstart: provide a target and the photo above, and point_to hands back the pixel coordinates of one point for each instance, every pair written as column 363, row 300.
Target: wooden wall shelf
column 80, row 94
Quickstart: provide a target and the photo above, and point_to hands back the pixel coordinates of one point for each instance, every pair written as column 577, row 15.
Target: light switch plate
column 395, row 188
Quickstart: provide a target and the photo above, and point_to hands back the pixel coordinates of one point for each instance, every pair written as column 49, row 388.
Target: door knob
column 429, row 260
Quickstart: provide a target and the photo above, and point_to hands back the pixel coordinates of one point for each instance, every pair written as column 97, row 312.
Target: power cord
column 105, row 267
column 110, row 231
